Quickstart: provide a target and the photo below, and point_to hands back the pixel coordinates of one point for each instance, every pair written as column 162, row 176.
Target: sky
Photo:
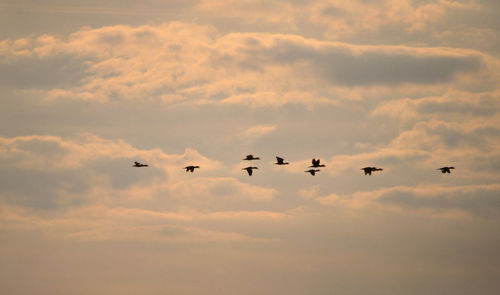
column 89, row 87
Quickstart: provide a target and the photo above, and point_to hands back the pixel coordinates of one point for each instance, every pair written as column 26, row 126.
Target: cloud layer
column 186, row 62
column 409, row 86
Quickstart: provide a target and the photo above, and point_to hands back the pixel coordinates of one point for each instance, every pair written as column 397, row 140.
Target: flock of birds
column 280, row 161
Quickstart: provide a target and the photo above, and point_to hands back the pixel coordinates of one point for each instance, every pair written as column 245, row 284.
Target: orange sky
column 87, row 88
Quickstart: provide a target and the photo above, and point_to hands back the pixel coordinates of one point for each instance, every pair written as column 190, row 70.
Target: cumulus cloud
column 85, row 188
column 431, row 144
column 452, row 105
column 478, row 200
column 336, row 19
column 350, row 65
column 90, row 169
column 348, row 18
column 55, row 153
column 156, row 63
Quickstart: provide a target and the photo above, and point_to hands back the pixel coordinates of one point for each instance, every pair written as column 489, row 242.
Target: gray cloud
column 112, row 63
column 365, row 66
column 42, row 73
column 42, row 190
column 484, row 105
column 62, row 190
column 481, row 201
column 454, row 136
column 393, row 69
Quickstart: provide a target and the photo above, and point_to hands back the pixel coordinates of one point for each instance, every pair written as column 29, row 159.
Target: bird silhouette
column 250, row 158
column 315, row 163
column 249, row 169
column 312, row 171
column 137, row 164
column 280, row 161
column 191, row 168
column 369, row 170
column 445, row 169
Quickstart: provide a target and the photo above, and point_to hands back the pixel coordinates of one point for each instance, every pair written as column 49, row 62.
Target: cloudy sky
column 87, row 87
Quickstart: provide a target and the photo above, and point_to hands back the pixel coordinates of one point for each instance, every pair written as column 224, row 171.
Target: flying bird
column 369, row 170
column 280, row 161
column 445, row 169
column 312, row 171
column 250, row 158
column 249, row 170
column 315, row 163
column 137, row 164
column 191, row 168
